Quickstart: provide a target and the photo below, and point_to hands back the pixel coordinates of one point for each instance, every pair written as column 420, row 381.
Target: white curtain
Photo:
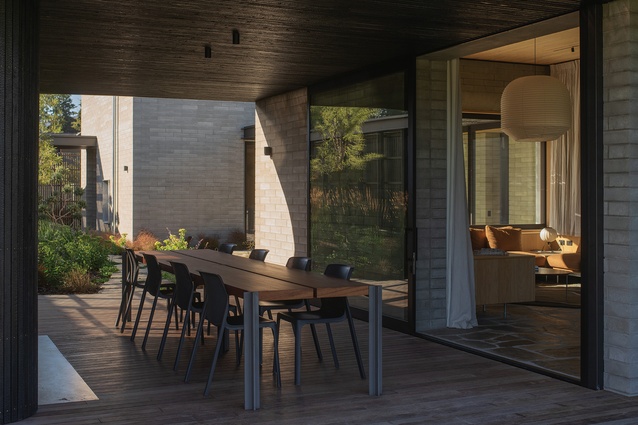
column 461, row 307
column 564, row 162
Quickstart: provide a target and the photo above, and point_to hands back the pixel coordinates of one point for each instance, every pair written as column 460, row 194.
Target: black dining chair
column 227, row 248
column 332, row 310
column 157, row 289
column 130, row 274
column 184, row 298
column 216, row 311
column 266, row 307
column 258, row 254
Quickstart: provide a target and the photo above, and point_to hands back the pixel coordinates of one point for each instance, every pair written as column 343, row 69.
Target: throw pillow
column 478, row 238
column 505, row 238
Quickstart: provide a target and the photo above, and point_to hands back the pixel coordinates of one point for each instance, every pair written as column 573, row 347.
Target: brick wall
column 620, row 24
column 281, row 181
column 188, row 166
column 184, row 163
column 431, row 194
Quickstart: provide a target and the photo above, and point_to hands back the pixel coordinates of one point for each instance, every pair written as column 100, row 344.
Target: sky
column 76, row 101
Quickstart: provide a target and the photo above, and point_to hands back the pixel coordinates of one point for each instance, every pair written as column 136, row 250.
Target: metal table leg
column 375, row 349
column 252, row 398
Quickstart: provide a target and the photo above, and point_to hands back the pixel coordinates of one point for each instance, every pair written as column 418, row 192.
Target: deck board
column 423, row 382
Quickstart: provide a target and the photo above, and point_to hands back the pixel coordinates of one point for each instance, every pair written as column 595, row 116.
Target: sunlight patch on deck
column 58, row 382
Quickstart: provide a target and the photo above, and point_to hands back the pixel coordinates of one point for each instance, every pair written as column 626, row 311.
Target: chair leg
column 126, row 317
column 212, row 366
column 150, row 320
column 355, row 343
column 185, row 327
column 297, row 354
column 198, row 335
column 313, row 329
column 139, row 314
column 332, row 346
column 165, row 335
column 239, row 345
column 276, row 366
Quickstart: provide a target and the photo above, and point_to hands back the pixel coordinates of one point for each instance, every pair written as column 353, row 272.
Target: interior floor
column 544, row 334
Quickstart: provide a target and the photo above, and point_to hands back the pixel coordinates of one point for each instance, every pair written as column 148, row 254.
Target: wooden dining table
column 257, row 280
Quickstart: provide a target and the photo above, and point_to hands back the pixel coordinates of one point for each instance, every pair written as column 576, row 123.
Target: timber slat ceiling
column 156, row 48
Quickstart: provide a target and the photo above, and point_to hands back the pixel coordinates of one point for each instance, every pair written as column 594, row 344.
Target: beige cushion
column 479, row 240
column 567, row 261
column 505, row 238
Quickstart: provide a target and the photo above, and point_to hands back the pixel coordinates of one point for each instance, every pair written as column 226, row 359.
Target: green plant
column 63, row 251
column 174, row 242
column 119, row 241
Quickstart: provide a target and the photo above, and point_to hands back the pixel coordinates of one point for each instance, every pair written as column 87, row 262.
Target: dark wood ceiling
column 156, row 48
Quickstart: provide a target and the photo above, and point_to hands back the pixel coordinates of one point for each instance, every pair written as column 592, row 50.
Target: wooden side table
column 504, row 279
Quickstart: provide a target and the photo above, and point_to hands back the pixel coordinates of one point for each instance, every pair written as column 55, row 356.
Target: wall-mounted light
column 126, row 168
column 235, row 36
column 207, row 52
column 268, row 151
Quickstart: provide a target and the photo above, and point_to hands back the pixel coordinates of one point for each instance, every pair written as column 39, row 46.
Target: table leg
column 375, row 349
column 251, row 351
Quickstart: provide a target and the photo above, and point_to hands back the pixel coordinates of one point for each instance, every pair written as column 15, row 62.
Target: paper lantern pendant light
column 536, row 108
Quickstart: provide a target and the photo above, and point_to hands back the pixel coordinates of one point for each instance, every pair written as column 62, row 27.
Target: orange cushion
column 479, row 240
column 505, row 238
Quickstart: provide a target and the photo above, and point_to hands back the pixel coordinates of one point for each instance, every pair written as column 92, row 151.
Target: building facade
column 160, row 164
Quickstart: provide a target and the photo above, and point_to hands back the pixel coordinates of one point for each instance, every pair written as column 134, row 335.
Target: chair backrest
column 131, row 267
column 226, row 248
column 299, row 263
column 153, row 274
column 341, row 271
column 216, row 302
column 258, row 254
column 184, row 286
column 336, row 306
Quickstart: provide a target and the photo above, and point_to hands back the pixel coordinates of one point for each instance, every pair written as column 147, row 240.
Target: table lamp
column 549, row 235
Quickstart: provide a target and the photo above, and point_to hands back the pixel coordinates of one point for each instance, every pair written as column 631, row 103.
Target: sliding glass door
column 358, row 196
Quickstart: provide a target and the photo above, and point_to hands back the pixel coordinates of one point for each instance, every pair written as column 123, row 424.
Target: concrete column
column 18, row 210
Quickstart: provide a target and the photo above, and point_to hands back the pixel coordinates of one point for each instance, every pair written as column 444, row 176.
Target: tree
column 56, row 114
column 64, row 204
column 342, row 142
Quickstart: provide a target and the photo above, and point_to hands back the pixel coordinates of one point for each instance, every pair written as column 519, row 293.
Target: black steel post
column 18, row 213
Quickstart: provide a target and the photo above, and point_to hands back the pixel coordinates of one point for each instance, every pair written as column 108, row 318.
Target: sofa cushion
column 505, row 238
column 567, row 261
column 479, row 240
column 540, row 259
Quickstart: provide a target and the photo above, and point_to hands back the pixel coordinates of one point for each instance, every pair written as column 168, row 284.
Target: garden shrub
column 144, row 241
column 63, row 251
column 207, row 241
column 174, row 242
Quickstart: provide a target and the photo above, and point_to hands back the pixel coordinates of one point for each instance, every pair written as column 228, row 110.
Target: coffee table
column 548, row 271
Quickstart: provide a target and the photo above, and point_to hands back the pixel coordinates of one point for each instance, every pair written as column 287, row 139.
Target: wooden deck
column 423, row 382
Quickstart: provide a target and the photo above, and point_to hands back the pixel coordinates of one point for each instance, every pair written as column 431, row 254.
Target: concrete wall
column 431, row 194
column 281, row 181
column 620, row 26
